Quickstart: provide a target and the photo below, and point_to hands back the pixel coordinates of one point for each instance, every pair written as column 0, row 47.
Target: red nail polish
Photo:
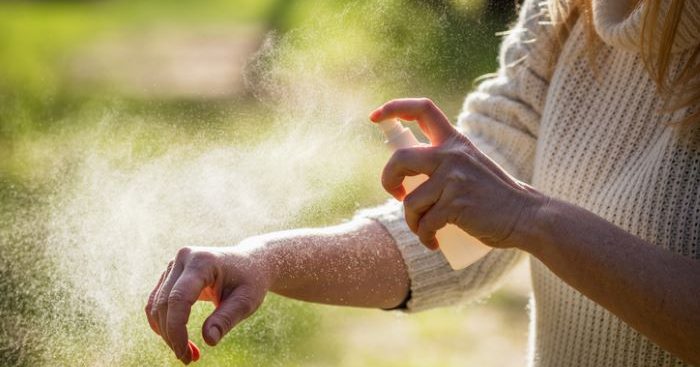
column 374, row 115
column 194, row 350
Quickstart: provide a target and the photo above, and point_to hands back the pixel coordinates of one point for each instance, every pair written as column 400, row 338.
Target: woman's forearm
column 353, row 264
column 655, row 291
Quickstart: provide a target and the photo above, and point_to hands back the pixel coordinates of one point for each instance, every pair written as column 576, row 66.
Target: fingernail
column 194, row 350
column 399, row 192
column 214, row 334
column 374, row 115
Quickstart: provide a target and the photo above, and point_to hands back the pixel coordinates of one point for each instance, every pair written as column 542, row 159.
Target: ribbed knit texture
column 600, row 141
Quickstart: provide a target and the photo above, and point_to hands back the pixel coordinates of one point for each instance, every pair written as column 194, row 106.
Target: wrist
column 535, row 220
column 260, row 253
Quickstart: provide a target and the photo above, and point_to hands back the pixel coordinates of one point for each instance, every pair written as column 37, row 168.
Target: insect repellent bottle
column 459, row 248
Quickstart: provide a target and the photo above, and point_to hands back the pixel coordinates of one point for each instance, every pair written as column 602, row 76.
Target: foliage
column 47, row 118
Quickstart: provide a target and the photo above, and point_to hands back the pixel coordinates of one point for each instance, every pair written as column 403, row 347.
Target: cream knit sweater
column 599, row 141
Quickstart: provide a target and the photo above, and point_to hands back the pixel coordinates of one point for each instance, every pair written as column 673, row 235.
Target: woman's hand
column 229, row 277
column 465, row 188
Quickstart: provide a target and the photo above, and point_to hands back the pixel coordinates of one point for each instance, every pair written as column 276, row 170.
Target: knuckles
column 149, row 304
column 452, row 156
column 160, row 303
column 391, row 106
column 455, row 176
column 409, row 203
column 246, row 306
column 195, row 259
column 426, row 104
column 400, row 156
column 201, row 261
column 428, row 225
column 183, row 253
column 176, row 297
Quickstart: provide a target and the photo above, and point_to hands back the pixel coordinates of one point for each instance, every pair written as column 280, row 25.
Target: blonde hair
column 658, row 36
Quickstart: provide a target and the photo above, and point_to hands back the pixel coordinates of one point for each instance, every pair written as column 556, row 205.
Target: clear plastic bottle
column 459, row 248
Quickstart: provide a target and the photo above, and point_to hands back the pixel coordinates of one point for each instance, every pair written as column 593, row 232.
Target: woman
column 596, row 106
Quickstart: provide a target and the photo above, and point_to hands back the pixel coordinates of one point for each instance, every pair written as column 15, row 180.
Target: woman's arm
column 354, row 264
column 655, row 291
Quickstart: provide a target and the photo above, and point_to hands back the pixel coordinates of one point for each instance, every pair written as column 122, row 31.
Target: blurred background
column 129, row 129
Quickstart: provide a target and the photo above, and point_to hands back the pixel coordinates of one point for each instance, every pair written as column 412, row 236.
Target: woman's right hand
column 232, row 278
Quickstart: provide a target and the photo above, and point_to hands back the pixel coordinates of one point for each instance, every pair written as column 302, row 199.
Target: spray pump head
column 397, row 136
column 391, row 128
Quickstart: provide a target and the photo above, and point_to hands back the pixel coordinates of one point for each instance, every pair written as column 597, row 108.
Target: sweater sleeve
column 501, row 117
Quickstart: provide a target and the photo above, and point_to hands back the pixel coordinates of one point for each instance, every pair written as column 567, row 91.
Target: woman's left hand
column 465, row 188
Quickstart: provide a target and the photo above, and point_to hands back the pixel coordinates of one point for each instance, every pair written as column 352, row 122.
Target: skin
column 302, row 264
column 358, row 264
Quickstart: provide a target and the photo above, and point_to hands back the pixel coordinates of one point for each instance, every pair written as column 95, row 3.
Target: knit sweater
column 598, row 139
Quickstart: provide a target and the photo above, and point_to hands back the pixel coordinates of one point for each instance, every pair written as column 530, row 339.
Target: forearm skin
column 353, row 264
column 655, row 291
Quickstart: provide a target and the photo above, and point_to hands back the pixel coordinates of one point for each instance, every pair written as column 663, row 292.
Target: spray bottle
column 459, row 248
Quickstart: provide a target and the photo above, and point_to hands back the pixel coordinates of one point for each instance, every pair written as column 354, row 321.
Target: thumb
column 240, row 304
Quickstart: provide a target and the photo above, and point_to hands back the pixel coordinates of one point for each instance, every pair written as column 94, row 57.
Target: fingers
column 149, row 305
column 418, row 202
column 433, row 220
column 435, row 125
column 174, row 270
column 183, row 295
column 187, row 278
column 241, row 303
column 159, row 301
column 408, row 162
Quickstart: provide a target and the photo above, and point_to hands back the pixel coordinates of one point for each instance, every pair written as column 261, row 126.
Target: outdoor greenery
column 52, row 122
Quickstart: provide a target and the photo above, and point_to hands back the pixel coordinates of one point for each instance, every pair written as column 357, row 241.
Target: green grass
column 51, row 129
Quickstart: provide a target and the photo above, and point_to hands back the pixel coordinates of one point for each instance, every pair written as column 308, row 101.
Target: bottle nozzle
column 391, row 128
column 397, row 136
